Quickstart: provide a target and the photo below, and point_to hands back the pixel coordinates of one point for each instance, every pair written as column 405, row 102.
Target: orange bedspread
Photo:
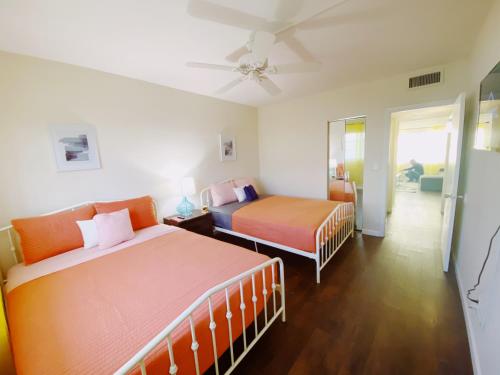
column 341, row 190
column 285, row 220
column 91, row 318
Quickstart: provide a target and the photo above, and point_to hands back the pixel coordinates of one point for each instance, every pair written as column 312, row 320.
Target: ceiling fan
column 284, row 23
column 254, row 65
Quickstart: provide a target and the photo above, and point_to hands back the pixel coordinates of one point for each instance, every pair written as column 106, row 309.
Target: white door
column 450, row 183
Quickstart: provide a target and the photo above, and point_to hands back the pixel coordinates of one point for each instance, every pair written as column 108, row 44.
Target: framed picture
column 227, row 147
column 75, row 147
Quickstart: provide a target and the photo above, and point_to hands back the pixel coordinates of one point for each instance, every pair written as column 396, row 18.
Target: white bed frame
column 271, row 313
column 329, row 236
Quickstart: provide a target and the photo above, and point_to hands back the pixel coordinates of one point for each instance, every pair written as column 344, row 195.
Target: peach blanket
column 285, row 220
column 92, row 317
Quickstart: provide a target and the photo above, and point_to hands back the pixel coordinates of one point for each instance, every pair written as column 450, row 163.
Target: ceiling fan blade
column 261, row 43
column 236, row 54
column 319, row 23
column 288, row 37
column 229, row 86
column 351, row 19
column 217, row 13
column 287, row 9
column 307, row 67
column 211, row 66
column 299, row 18
column 269, row 86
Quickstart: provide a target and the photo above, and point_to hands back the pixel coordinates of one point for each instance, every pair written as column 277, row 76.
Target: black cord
column 482, row 268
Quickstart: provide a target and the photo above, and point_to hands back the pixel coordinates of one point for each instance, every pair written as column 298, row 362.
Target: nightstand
column 199, row 222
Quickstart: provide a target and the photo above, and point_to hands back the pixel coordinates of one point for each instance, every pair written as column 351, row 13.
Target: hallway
column 416, row 219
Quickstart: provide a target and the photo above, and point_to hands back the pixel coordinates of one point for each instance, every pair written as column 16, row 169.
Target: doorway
column 424, row 161
column 346, row 158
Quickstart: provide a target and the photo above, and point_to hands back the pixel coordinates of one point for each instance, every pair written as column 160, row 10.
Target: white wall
column 149, row 137
column 337, row 140
column 480, row 213
column 293, row 136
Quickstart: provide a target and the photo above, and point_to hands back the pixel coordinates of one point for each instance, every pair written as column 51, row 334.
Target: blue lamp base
column 185, row 208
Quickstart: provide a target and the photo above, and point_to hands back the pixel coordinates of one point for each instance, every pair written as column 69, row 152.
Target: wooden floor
column 383, row 307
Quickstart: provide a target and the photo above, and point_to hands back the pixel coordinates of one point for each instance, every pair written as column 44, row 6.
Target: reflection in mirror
column 346, row 163
column 488, row 127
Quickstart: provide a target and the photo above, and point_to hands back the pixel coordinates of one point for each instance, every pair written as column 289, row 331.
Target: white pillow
column 240, row 194
column 89, row 233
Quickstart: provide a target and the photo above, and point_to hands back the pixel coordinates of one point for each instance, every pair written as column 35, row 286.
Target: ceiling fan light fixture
column 254, row 75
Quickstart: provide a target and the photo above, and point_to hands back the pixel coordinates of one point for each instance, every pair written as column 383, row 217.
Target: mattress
column 89, row 316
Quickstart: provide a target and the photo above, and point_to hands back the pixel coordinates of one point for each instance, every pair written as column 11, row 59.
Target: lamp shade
column 188, row 186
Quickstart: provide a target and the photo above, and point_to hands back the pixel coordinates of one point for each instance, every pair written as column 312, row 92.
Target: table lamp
column 188, row 187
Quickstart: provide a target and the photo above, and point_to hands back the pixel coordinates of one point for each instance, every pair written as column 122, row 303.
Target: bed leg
column 353, row 222
column 282, row 290
column 256, row 246
column 318, row 270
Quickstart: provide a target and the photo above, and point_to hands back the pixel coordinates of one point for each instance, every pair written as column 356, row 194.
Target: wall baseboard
column 371, row 232
column 468, row 324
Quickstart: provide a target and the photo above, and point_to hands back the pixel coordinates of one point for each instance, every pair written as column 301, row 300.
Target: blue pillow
column 253, row 192
column 250, row 193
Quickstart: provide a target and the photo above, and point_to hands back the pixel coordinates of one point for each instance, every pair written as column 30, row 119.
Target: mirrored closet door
column 346, row 158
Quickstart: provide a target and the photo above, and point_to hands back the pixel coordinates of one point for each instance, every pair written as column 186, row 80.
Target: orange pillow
column 45, row 236
column 142, row 212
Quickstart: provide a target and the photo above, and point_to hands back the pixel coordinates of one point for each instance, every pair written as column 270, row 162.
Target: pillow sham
column 240, row 194
column 222, row 193
column 250, row 193
column 253, row 192
column 88, row 229
column 142, row 213
column 113, row 228
column 45, row 236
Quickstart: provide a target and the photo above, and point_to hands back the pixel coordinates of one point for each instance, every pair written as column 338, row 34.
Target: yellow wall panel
column 6, row 363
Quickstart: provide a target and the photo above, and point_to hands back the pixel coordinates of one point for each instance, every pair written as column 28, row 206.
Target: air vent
column 425, row 80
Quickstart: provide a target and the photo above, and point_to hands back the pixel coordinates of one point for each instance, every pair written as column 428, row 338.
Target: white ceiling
column 152, row 40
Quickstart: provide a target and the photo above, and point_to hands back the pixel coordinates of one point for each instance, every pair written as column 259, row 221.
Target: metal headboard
column 12, row 243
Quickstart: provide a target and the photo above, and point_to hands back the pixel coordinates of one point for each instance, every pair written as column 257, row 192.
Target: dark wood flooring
column 383, row 307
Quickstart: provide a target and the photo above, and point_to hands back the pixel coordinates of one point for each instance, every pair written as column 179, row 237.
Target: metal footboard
column 332, row 233
column 278, row 308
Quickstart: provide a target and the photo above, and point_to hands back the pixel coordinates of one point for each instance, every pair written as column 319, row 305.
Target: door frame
column 387, row 140
column 327, row 197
